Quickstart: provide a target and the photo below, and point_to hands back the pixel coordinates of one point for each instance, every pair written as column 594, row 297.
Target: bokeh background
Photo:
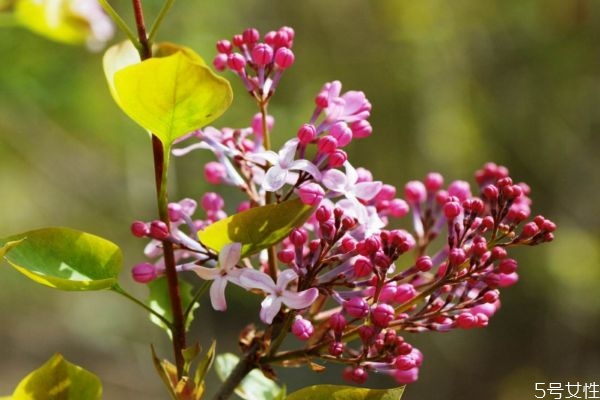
column 453, row 85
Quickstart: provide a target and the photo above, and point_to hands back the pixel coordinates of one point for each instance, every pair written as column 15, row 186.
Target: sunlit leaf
column 65, row 258
column 256, row 228
column 170, row 94
column 255, row 386
column 160, row 302
column 58, row 379
column 205, row 364
column 335, row 392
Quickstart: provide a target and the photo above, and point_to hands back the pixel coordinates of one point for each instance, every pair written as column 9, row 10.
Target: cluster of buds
column 258, row 64
column 344, row 283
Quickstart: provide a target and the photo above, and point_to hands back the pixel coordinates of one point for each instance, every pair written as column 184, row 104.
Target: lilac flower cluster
column 345, row 283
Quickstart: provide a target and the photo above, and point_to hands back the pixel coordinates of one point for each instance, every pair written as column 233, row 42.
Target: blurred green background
column 453, row 85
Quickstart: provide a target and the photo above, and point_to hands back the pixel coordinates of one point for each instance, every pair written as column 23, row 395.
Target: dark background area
column 453, row 85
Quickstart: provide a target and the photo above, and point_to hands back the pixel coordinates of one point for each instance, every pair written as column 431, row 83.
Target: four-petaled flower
column 224, row 272
column 277, row 293
column 282, row 163
column 348, row 185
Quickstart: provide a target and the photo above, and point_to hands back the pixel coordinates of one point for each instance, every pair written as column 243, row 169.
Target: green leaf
column 64, row 258
column 205, row 363
column 160, row 302
column 335, row 392
column 170, row 94
column 256, row 228
column 58, row 379
column 54, row 20
column 255, row 386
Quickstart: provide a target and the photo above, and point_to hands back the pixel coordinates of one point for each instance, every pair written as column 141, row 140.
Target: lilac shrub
column 346, row 283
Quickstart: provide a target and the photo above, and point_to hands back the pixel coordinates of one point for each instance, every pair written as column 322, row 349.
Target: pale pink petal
column 367, row 190
column 229, row 256
column 299, row 300
column 307, row 166
column 351, row 174
column 253, row 279
column 334, row 180
column 206, row 273
column 268, row 156
column 270, row 306
column 287, row 153
column 355, row 102
column 217, row 294
column 275, row 178
column 285, row 277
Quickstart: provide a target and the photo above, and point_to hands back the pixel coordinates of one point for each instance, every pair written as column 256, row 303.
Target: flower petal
column 334, row 180
column 274, row 178
column 270, row 306
column 285, row 277
column 299, row 300
column 351, row 174
column 367, row 190
column 288, row 152
column 217, row 294
column 207, row 274
column 230, row 255
column 253, row 279
column 307, row 166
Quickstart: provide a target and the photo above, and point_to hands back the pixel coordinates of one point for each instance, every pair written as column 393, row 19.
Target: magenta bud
column 159, row 230
column 323, row 214
column 250, row 36
column 357, row 307
column 452, row 210
column 214, row 172
column 415, row 192
column 424, row 263
column 405, row 292
column 286, row 256
column 220, row 62
column 348, row 244
column 388, row 292
column 382, row 314
column 307, row 133
column 336, row 348
column 327, row 144
column 140, row 229
column 457, row 256
column 398, row 208
column 236, row 62
column 498, row 253
column 284, row 58
column 144, row 273
column 224, row 46
column 491, row 296
column 337, row 322
column 311, row 194
column 212, row 201
column 357, row 375
column 433, row 181
column 262, row 54
column 302, row 328
column 361, row 129
column 327, row 230
column 337, row 158
column 298, row 237
column 342, row 133
column 466, row 320
column 530, row 229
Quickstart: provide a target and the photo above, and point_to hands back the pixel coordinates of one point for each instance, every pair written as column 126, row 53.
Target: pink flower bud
column 361, row 129
column 342, row 133
column 507, row 266
column 212, row 201
column 311, row 194
column 355, row 374
column 507, row 280
column 357, row 307
column 284, row 58
column 460, row 189
column 336, row 348
column 298, row 237
column 482, row 320
column 405, row 292
column 398, row 208
column 405, row 377
column 337, row 158
column 415, row 192
column 214, row 172
column 452, row 210
column 224, row 46
column 307, row 133
column 257, row 124
column 466, row 320
column 286, row 256
column 159, row 230
column 236, row 62
column 366, row 333
column 388, row 292
column 220, row 62
column 433, row 181
column 139, row 229
column 498, row 253
column 302, row 328
column 337, row 322
column 262, row 54
column 382, row 314
column 424, row 263
column 144, row 273
column 327, row 144
column 250, row 36
column 323, row 214
column 457, row 256
column 238, row 40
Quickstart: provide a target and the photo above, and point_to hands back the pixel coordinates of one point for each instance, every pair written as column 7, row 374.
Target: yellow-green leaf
column 336, row 392
column 64, row 258
column 256, row 228
column 58, row 379
column 255, row 386
column 170, row 94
